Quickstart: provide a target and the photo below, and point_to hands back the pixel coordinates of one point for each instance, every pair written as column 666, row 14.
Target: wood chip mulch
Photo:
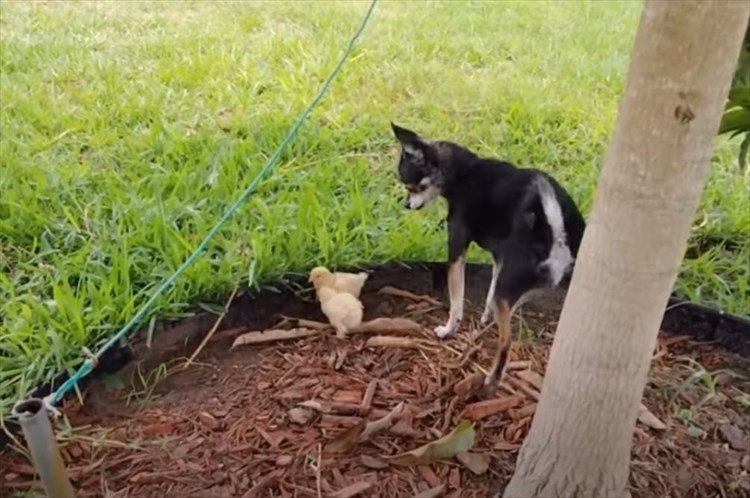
column 281, row 419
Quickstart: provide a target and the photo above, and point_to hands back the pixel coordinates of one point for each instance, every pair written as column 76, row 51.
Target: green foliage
column 736, row 118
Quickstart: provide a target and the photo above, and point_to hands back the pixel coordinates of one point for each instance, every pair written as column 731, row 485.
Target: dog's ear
column 406, row 137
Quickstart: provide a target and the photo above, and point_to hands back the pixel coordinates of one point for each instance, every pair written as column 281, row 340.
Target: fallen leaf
column 339, row 408
column 428, row 475
column 518, row 365
column 454, row 478
column 523, row 412
column 387, row 325
column 273, row 439
column 532, row 378
column 272, row 336
column 478, row 463
column 300, row 416
column 372, row 462
column 404, row 426
column 506, row 446
column 395, row 292
column 468, row 386
column 382, row 423
column 346, row 440
column 208, row 421
column 735, row 437
column 432, row 492
column 460, row 439
column 523, row 386
column 349, row 438
column 262, row 485
column 369, row 393
column 353, row 490
column 490, row 407
column 387, row 341
column 284, row 461
column 649, row 419
column 159, row 429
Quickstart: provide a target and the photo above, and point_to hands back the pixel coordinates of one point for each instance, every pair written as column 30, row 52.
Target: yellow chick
column 343, row 310
column 351, row 283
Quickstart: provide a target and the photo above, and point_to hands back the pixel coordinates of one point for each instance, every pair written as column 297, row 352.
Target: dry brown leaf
column 428, row 475
column 382, row 423
column 346, row 440
column 331, row 407
column 490, row 407
column 369, row 394
column 404, row 427
column 350, row 437
column 435, row 492
column 523, row 386
column 387, row 341
column 208, row 421
column 272, row 336
column 468, row 386
column 523, row 412
column 506, row 446
column 733, row 435
column 531, row 377
column 518, row 365
column 478, row 463
column 460, row 439
column 387, row 325
column 649, row 419
column 395, row 292
column 353, row 490
column 372, row 462
column 158, row 429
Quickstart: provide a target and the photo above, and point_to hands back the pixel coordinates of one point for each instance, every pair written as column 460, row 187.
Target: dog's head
column 418, row 168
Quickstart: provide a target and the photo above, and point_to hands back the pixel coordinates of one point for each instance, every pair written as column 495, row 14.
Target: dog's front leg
column 457, row 244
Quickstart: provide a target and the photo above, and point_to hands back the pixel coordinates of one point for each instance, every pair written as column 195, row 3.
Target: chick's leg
column 341, row 329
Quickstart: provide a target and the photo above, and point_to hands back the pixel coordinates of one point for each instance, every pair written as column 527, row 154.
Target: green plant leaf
column 735, row 119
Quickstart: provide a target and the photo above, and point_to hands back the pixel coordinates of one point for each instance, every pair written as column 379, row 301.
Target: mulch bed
column 281, row 419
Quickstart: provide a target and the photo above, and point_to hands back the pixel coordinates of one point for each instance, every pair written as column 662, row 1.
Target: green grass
column 126, row 130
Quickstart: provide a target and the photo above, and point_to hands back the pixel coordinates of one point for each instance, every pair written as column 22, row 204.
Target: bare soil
column 231, row 423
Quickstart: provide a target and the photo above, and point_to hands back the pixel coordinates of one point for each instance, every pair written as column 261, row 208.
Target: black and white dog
column 522, row 216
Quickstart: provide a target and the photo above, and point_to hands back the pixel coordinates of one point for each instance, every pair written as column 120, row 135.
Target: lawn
column 127, row 129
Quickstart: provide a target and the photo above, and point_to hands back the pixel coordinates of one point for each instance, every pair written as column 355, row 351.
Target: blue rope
column 89, row 363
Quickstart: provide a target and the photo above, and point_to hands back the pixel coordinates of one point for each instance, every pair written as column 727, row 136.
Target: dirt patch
column 285, row 418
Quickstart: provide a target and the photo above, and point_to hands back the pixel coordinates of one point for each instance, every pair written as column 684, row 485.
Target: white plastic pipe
column 34, row 420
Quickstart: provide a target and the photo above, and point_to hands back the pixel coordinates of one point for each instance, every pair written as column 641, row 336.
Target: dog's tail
column 560, row 259
column 551, row 208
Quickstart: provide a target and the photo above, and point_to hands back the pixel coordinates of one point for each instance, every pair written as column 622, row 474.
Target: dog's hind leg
column 517, row 277
column 489, row 303
column 500, row 360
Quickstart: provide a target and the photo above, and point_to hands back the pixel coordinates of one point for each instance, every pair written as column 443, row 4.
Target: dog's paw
column 443, row 331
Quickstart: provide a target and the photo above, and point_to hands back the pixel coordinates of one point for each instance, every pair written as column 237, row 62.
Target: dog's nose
column 407, row 205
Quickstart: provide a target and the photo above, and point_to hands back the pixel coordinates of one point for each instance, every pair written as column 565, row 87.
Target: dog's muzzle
column 410, row 204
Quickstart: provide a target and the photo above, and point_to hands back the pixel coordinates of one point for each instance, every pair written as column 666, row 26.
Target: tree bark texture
column 681, row 68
